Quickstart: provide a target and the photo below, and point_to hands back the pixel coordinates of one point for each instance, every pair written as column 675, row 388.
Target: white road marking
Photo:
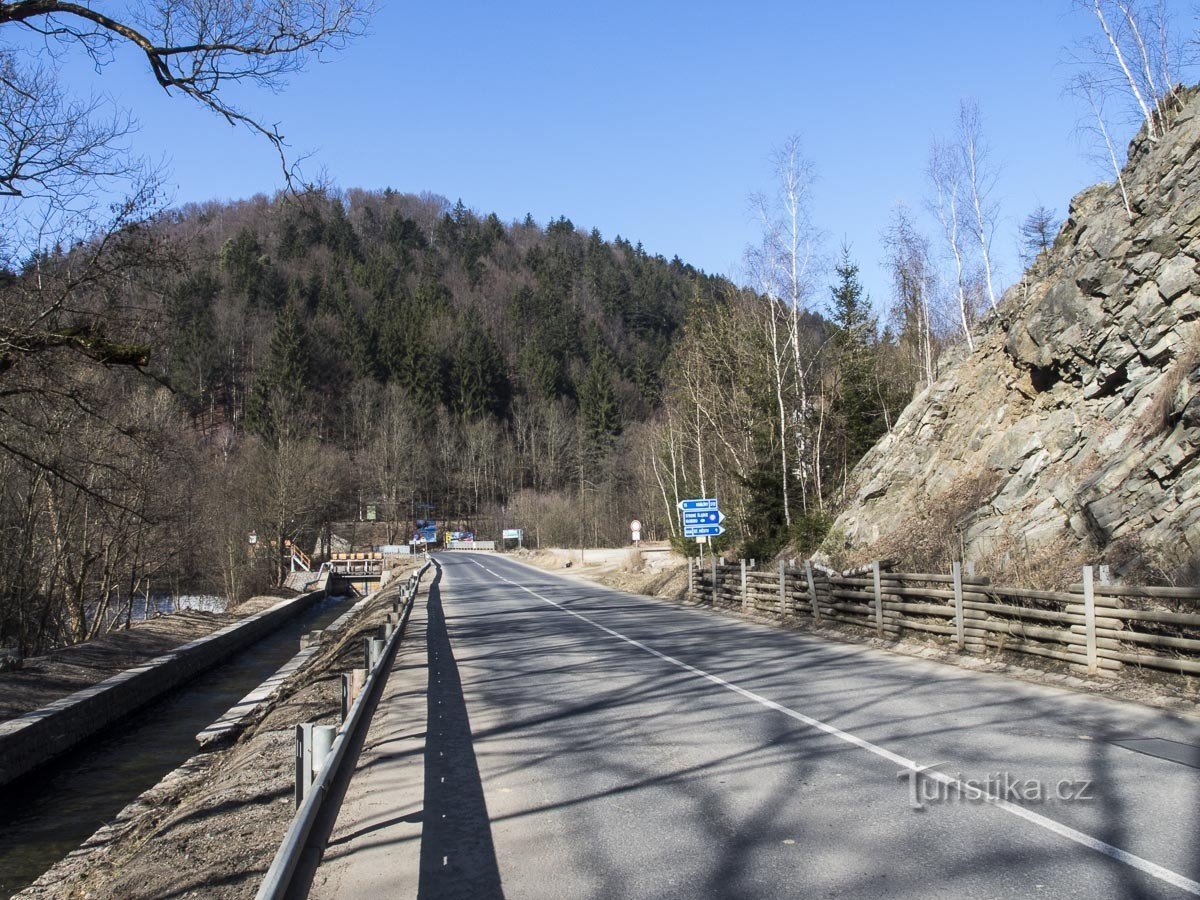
column 1086, row 840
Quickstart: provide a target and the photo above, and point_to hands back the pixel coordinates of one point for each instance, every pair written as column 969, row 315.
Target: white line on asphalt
column 1130, row 859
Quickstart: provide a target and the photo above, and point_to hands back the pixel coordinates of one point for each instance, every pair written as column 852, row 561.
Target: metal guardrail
column 278, row 879
column 469, row 545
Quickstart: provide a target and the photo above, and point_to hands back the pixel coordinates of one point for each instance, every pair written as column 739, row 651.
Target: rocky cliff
column 1073, row 430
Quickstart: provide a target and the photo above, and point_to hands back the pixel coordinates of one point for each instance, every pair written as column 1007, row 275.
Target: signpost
column 635, row 530
column 701, row 519
column 515, row 534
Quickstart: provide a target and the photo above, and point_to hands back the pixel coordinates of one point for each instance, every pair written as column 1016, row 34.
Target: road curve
column 546, row 737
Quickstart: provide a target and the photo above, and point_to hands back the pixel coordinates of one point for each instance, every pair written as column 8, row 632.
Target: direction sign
column 703, row 530
column 703, row 517
column 700, row 503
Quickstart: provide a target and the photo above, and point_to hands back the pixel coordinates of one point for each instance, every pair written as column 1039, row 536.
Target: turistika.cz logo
column 927, row 785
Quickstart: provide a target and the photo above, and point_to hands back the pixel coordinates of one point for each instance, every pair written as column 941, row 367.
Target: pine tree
column 278, row 397
column 854, row 337
column 478, row 382
column 599, row 409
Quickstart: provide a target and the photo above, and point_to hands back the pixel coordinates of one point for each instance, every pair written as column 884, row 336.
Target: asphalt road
column 579, row 742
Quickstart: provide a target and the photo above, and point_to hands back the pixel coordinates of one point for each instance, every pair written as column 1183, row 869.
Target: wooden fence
column 1096, row 627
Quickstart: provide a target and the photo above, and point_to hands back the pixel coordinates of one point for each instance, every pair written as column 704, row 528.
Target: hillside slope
column 1073, row 430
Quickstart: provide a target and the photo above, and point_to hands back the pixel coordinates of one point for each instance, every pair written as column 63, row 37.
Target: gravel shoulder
column 44, row 679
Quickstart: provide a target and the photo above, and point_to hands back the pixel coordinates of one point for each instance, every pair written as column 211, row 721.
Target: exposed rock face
column 1077, row 418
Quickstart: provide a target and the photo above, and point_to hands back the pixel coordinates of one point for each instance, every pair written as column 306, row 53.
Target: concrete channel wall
column 28, row 741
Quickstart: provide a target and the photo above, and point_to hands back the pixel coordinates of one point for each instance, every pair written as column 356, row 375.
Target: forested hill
column 463, row 311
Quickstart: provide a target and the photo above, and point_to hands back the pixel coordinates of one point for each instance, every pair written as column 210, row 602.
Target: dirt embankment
column 653, row 569
column 211, row 828
column 44, row 679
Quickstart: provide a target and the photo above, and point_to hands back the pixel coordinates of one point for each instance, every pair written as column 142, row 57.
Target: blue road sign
column 702, row 530
column 701, row 503
column 703, row 517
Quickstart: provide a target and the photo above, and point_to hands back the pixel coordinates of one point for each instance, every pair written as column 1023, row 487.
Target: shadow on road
column 458, row 857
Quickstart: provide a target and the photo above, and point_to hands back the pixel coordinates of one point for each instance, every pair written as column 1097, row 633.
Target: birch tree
column 907, row 256
column 945, row 176
column 1096, row 125
column 782, row 268
column 1135, row 56
column 980, row 179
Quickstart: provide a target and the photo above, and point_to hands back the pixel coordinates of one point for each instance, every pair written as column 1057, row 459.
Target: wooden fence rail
column 1095, row 627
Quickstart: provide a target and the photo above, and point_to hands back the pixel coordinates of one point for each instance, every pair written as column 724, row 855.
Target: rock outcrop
column 1073, row 430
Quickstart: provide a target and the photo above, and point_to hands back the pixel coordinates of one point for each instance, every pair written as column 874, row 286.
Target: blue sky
column 655, row 120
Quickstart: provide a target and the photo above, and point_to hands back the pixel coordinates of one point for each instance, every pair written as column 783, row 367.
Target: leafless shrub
column 933, row 536
column 1160, row 416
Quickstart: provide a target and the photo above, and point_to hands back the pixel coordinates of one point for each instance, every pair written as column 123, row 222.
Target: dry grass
column 933, row 536
column 1160, row 417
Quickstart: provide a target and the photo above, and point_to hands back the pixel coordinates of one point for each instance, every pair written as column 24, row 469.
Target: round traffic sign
column 635, row 525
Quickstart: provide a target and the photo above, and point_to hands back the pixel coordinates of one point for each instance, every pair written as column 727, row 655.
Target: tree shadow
column 458, row 856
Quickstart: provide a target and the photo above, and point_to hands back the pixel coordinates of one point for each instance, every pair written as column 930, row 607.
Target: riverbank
column 44, row 679
column 211, row 827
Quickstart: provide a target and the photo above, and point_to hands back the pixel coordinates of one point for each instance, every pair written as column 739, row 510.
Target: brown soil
column 211, row 828
column 44, row 679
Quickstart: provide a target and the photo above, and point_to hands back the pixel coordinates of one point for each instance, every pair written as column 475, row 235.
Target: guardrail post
column 745, row 594
column 691, row 583
column 782, row 588
column 878, row 599
column 960, row 634
column 377, row 645
column 1089, row 620
column 347, row 695
column 322, row 743
column 303, row 761
column 812, row 590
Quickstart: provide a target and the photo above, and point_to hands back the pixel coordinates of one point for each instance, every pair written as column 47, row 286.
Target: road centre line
column 1086, row 840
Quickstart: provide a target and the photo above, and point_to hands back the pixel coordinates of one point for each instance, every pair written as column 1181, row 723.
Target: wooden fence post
column 878, row 599
column 959, row 625
column 812, row 590
column 745, row 595
column 782, row 589
column 1089, row 620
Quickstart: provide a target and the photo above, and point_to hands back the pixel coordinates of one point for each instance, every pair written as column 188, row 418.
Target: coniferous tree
column 857, row 402
column 478, row 383
column 599, row 409
column 284, row 380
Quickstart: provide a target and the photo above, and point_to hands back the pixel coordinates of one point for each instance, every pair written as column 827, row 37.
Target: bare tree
column 1038, row 232
column 912, row 271
column 196, row 49
column 1135, row 56
column 945, row 175
column 783, row 266
column 1086, row 86
column 980, row 182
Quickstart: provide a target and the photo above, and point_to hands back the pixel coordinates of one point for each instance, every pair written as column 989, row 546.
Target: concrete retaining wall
column 37, row 737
